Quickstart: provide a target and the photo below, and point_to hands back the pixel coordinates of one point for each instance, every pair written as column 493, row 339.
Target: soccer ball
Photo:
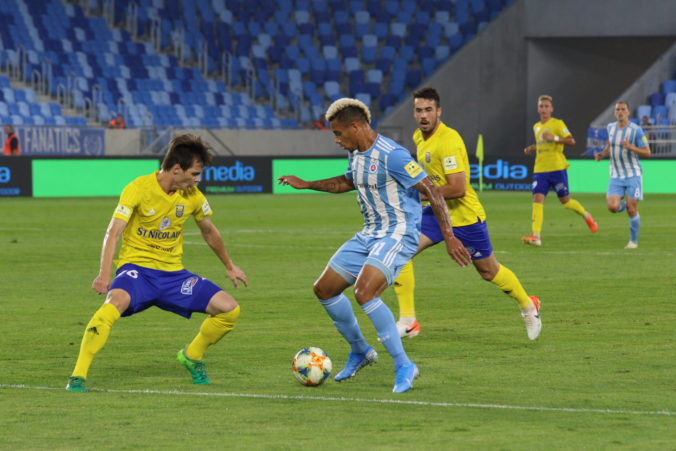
column 311, row 366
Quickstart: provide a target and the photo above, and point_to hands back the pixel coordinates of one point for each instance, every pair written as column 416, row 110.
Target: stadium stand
column 228, row 63
column 660, row 107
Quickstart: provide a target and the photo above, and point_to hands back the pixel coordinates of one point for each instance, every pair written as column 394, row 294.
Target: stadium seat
column 643, row 110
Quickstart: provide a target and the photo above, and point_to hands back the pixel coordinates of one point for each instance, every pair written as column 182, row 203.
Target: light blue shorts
column 387, row 254
column 631, row 186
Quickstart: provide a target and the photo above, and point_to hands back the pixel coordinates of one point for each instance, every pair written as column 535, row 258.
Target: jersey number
column 130, row 272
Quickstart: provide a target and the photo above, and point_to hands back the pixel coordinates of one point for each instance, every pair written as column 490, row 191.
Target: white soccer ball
column 311, row 366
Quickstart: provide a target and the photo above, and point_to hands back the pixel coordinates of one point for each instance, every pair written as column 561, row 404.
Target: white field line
column 359, row 400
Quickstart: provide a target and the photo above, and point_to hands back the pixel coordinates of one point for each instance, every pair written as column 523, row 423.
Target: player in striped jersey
column 388, row 182
column 626, row 143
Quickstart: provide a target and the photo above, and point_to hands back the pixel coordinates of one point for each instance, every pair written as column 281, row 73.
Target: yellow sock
column 95, row 337
column 212, row 330
column 507, row 281
column 538, row 217
column 577, row 207
column 404, row 288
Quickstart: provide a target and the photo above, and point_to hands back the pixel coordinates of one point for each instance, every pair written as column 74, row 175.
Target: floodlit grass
column 601, row 376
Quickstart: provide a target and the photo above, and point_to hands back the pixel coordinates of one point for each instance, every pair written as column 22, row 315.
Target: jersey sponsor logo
column 179, row 210
column 373, row 168
column 450, row 163
column 206, row 209
column 188, row 284
column 413, row 169
column 122, row 210
column 165, row 224
column 157, row 234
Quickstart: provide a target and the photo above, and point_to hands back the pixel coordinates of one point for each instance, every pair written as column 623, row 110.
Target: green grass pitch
column 601, row 375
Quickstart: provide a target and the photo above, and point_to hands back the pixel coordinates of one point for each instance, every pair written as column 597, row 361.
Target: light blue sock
column 382, row 318
column 623, row 206
column 340, row 311
column 634, row 227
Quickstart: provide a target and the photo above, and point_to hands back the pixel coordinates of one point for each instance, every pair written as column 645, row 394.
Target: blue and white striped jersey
column 625, row 163
column 384, row 176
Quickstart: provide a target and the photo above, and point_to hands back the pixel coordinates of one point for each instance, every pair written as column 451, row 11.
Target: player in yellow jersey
column 442, row 153
column 551, row 135
column 150, row 219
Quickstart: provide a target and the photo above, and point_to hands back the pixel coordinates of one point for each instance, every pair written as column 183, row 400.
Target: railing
column 661, row 140
column 131, row 20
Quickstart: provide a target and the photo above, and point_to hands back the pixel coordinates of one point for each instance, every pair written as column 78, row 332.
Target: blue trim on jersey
column 387, row 200
column 623, row 162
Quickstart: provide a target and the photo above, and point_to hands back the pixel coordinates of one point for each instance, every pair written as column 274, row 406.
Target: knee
column 488, row 276
column 363, row 295
column 321, row 291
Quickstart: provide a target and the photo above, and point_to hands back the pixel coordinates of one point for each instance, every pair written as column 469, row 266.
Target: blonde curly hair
column 348, row 108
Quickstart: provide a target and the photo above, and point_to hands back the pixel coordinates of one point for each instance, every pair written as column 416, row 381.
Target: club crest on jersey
column 373, row 168
column 165, row 224
column 179, row 210
column 428, row 157
column 188, row 284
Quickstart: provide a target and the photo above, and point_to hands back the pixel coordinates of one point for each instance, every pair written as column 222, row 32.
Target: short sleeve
column 451, row 154
column 404, row 169
column 348, row 171
column 202, row 207
column 564, row 129
column 129, row 199
column 640, row 140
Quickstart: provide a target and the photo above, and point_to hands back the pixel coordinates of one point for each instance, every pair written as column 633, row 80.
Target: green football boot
column 196, row 368
column 76, row 384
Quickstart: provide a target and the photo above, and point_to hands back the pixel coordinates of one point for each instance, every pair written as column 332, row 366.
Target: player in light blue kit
column 388, row 182
column 626, row 143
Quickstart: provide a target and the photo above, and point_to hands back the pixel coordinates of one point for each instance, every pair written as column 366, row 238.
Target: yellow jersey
column 153, row 237
column 444, row 153
column 549, row 156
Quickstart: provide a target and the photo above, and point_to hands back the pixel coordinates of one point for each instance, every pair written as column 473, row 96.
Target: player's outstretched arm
column 110, row 240
column 339, row 184
column 215, row 241
column 454, row 247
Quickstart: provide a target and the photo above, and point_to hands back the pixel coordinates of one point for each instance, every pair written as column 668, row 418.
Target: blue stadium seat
column 643, row 110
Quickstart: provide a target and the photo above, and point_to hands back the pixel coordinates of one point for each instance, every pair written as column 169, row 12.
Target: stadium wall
column 233, row 142
column 584, row 54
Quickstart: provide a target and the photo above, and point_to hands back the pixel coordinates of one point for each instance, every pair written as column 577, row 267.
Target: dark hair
column 185, row 150
column 427, row 93
column 623, row 101
column 349, row 114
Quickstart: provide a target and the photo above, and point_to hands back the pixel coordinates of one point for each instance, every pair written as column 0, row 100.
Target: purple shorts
column 556, row 180
column 180, row 292
column 474, row 236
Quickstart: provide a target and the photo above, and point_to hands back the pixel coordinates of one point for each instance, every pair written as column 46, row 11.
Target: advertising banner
column 232, row 175
column 60, row 141
column 15, row 177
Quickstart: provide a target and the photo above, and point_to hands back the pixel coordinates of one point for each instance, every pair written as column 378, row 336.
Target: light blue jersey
column 625, row 163
column 384, row 176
